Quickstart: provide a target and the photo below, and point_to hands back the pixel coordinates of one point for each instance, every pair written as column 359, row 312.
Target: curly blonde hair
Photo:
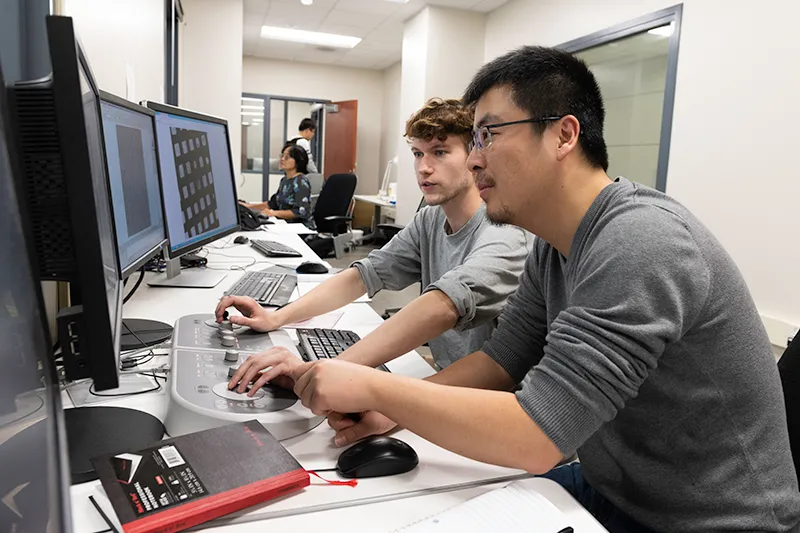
column 439, row 118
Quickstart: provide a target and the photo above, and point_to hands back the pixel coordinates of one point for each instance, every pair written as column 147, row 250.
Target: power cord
column 136, row 286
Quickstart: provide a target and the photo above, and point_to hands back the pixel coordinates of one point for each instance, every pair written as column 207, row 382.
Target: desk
column 318, row 505
column 379, row 202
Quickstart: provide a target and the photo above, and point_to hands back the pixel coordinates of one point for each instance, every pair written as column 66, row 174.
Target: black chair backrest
column 334, row 200
column 789, row 368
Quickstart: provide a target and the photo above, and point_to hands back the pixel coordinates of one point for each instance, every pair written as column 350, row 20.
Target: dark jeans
column 571, row 478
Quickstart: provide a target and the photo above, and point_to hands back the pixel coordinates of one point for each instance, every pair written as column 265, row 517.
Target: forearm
column 478, row 371
column 257, row 206
column 423, row 319
column 328, row 296
column 285, row 214
column 488, row 426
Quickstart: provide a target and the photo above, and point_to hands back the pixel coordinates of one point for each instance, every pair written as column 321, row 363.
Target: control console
column 204, row 356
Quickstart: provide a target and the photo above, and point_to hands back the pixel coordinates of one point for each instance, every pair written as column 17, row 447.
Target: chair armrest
column 339, row 223
column 338, row 218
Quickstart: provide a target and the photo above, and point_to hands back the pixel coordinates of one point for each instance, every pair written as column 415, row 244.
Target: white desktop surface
column 438, row 467
column 373, row 199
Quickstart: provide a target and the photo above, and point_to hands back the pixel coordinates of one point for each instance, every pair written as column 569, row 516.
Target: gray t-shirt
column 652, row 362
column 477, row 267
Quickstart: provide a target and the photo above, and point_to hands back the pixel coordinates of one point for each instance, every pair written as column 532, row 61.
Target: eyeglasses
column 482, row 137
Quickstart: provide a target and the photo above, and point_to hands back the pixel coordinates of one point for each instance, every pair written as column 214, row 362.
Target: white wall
column 734, row 141
column 210, row 65
column 304, row 80
column 121, row 42
column 393, row 125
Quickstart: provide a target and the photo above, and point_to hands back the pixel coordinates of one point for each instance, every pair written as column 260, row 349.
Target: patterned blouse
column 295, row 194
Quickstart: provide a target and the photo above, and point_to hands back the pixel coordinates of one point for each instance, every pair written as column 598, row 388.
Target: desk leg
column 376, row 217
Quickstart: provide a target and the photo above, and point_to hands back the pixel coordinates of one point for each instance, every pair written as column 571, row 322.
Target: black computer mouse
column 241, row 239
column 310, row 267
column 376, row 457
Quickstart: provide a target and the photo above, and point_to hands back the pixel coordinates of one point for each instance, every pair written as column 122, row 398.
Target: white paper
column 512, row 508
column 103, row 502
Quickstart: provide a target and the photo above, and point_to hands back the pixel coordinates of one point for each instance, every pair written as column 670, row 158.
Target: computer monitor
column 33, row 476
column 198, row 187
column 65, row 198
column 57, row 124
column 135, row 187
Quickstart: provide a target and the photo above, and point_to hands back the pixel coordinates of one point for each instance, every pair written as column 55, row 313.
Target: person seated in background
column 648, row 354
column 305, row 133
column 467, row 266
column 292, row 201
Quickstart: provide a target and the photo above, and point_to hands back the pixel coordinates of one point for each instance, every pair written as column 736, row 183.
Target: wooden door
column 340, row 137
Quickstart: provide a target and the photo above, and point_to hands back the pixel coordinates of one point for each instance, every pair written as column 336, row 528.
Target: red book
column 182, row 482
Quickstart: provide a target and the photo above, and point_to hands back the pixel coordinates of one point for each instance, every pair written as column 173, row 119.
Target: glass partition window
column 632, row 75
column 252, row 134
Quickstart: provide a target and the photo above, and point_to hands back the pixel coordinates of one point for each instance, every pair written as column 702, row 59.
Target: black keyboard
column 274, row 249
column 318, row 344
column 266, row 287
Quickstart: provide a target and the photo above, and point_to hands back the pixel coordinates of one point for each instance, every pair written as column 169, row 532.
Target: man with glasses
column 646, row 351
column 468, row 268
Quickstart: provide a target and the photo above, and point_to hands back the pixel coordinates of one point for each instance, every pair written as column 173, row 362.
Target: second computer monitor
column 134, row 182
column 198, row 186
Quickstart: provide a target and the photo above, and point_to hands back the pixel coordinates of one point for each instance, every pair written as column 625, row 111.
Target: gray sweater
column 652, row 362
column 477, row 267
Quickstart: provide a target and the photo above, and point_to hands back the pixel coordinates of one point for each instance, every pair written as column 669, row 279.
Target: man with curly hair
column 468, row 267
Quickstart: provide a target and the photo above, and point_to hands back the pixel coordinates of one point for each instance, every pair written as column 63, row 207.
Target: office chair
column 789, row 369
column 317, row 181
column 390, row 230
column 333, row 215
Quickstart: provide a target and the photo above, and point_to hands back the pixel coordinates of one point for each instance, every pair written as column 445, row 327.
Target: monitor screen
column 133, row 177
column 197, row 181
column 33, row 482
column 105, row 225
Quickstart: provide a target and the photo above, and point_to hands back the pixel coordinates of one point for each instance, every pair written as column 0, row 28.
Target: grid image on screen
column 133, row 179
column 101, row 199
column 197, row 184
column 195, row 181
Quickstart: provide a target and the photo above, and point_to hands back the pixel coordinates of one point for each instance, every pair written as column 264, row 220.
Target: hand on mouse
column 349, row 431
column 333, row 385
column 255, row 316
column 280, row 363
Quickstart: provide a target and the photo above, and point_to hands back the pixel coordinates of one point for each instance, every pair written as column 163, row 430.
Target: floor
column 385, row 299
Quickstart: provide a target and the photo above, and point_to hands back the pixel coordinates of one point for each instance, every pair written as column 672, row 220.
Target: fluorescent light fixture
column 251, row 114
column 398, row 1
column 309, row 37
column 663, row 31
column 306, row 2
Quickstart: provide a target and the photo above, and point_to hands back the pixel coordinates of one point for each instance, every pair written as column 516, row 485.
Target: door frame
column 267, row 98
column 638, row 25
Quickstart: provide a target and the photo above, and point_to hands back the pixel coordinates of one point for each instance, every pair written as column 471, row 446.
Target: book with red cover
column 181, row 482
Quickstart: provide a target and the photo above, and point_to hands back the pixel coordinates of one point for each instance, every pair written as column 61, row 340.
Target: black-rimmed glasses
column 482, row 137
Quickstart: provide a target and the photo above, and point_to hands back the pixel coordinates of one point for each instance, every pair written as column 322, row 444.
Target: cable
column 133, row 290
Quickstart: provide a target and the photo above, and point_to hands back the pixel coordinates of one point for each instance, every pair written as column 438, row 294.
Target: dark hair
column 299, row 155
column 549, row 82
column 440, row 118
column 307, row 124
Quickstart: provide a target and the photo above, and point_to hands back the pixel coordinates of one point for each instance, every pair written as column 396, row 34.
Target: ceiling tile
column 339, row 29
column 317, row 56
column 354, row 18
column 460, row 4
column 488, row 5
column 369, row 6
column 255, row 7
column 389, row 32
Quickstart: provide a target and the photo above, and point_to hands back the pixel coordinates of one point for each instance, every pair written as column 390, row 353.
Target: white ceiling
column 379, row 23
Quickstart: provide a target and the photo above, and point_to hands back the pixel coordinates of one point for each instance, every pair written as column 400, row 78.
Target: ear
column 569, row 129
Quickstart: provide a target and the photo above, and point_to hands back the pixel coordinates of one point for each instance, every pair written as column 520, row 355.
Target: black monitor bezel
column 186, row 113
column 140, row 262
column 67, row 58
column 61, row 477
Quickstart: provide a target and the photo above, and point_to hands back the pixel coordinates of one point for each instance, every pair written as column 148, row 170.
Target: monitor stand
column 142, row 333
column 96, row 431
column 192, row 279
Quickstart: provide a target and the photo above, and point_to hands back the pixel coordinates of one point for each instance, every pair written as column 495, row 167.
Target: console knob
column 228, row 340
column 231, row 356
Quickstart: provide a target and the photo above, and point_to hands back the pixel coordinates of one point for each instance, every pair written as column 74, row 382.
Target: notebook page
column 512, row 508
